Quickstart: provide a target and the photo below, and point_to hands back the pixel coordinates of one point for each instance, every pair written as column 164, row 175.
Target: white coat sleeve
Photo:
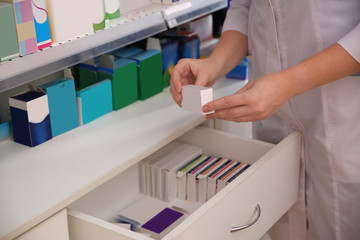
column 351, row 42
column 237, row 16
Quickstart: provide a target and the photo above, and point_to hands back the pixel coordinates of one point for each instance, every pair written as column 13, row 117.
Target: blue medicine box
column 30, row 118
column 240, row 71
column 94, row 101
column 62, row 105
column 5, row 130
column 170, row 57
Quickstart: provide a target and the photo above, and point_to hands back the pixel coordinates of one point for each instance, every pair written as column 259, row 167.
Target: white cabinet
column 271, row 182
column 54, row 228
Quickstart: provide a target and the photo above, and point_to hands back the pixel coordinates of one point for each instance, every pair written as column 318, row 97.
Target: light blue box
column 62, row 105
column 5, row 131
column 94, row 101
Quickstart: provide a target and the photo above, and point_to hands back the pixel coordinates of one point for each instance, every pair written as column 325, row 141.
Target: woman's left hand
column 257, row 100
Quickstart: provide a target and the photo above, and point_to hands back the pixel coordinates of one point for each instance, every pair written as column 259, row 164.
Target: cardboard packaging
column 9, row 48
column 62, row 105
column 94, row 101
column 42, row 25
column 123, row 75
column 87, row 73
column 25, row 26
column 170, row 55
column 112, row 9
column 189, row 46
column 195, row 97
column 203, row 27
column 240, row 71
column 189, row 43
column 149, row 73
column 5, row 130
column 30, row 118
column 70, row 19
column 162, row 223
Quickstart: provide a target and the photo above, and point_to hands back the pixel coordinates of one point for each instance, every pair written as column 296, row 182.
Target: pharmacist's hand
column 257, row 100
column 191, row 71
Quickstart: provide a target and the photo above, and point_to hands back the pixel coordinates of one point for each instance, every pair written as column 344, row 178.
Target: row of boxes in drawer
column 181, row 171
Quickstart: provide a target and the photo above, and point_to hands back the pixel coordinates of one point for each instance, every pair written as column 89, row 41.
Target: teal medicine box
column 94, row 101
column 5, row 130
column 149, row 73
column 62, row 105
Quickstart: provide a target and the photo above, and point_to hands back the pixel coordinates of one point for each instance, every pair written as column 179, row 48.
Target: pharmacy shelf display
column 132, row 26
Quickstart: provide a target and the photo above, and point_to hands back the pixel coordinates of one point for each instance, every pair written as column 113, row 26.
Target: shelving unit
column 132, row 27
column 38, row 182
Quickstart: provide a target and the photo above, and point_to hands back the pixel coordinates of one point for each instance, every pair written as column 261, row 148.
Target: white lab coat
column 282, row 33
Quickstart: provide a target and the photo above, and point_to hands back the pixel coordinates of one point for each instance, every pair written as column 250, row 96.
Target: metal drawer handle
column 257, row 208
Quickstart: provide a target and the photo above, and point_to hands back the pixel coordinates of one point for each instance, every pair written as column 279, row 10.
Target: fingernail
column 206, row 109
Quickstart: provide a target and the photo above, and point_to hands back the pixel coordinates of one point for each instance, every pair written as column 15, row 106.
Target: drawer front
column 273, row 185
column 271, row 182
column 54, row 228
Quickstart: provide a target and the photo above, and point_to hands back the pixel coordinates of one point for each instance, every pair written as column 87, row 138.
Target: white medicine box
column 195, row 97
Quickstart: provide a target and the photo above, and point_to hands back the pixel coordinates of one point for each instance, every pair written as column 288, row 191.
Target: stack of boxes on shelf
column 110, row 82
column 30, row 25
column 175, row 181
column 27, row 26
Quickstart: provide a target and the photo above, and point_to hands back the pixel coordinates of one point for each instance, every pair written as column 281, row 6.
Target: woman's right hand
column 201, row 72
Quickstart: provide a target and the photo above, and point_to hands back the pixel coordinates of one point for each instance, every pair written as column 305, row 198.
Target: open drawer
column 270, row 183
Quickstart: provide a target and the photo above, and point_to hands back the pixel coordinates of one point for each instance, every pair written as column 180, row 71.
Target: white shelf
column 132, row 26
column 37, row 182
column 184, row 12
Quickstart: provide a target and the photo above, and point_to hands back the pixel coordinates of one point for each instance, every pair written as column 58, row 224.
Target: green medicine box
column 123, row 75
column 149, row 73
column 9, row 48
column 87, row 73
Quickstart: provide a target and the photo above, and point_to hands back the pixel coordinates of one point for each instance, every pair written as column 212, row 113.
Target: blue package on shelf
column 189, row 46
column 94, row 101
column 240, row 71
column 170, row 57
column 62, row 105
column 30, row 118
column 5, row 130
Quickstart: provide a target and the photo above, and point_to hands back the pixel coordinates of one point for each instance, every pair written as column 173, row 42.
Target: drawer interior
column 105, row 202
